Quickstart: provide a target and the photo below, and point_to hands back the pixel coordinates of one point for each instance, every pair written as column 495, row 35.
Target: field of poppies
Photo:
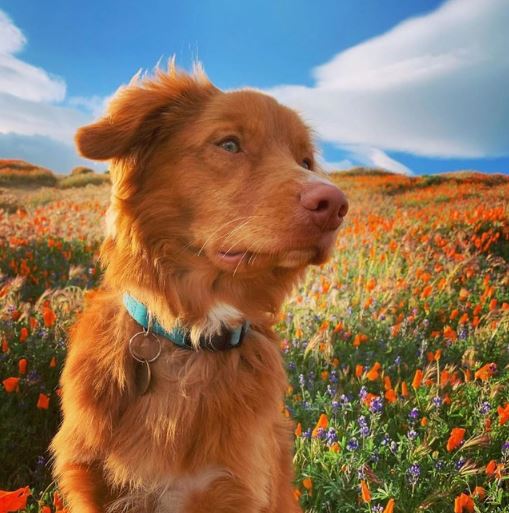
column 397, row 349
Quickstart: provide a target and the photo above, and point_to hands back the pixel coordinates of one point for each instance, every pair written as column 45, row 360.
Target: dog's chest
column 203, row 415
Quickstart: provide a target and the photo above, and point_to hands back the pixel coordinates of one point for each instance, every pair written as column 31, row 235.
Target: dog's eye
column 230, row 144
column 306, row 164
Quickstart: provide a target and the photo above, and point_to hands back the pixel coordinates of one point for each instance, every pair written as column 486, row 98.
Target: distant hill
column 19, row 172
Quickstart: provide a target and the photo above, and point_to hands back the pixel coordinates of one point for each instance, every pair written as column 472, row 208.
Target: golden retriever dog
column 173, row 386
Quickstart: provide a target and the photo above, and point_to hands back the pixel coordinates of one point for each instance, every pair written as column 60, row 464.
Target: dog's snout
column 327, row 205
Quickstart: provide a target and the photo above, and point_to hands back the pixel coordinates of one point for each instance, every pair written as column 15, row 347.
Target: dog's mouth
column 248, row 259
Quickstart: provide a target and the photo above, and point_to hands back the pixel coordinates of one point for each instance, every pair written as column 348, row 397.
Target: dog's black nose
column 327, row 205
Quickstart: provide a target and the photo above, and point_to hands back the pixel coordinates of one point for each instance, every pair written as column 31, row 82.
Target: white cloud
column 19, row 78
column 35, row 124
column 434, row 85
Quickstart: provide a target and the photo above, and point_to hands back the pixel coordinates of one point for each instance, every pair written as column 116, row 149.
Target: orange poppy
column 14, row 501
column 463, row 503
column 23, row 334
column 43, row 402
column 416, row 383
column 389, row 508
column 365, row 493
column 322, row 423
column 485, row 372
column 11, row 385
column 374, row 373
column 503, row 414
column 391, row 396
column 22, row 365
column 455, row 439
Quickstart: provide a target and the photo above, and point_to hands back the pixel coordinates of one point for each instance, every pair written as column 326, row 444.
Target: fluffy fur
column 209, row 436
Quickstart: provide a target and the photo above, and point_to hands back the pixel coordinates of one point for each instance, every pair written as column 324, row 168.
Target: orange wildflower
column 49, row 317
column 43, row 402
column 322, row 423
column 45, row 509
column 416, row 383
column 391, row 396
column 11, row 385
column 387, row 383
column 335, row 447
column 503, row 414
column 365, row 493
column 463, row 503
column 371, row 284
column 485, row 372
column 14, row 501
column 454, row 314
column 374, row 373
column 463, row 295
column 359, row 338
column 480, row 492
column 455, row 439
column 424, row 421
column 404, row 389
column 494, row 469
column 298, row 429
column 359, row 369
column 23, row 334
column 450, row 333
column 53, row 362
column 307, row 483
column 389, row 508
column 22, row 365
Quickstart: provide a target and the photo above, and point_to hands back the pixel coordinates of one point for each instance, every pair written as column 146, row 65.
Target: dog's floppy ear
column 133, row 114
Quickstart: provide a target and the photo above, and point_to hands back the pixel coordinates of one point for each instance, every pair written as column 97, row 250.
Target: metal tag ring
column 145, row 334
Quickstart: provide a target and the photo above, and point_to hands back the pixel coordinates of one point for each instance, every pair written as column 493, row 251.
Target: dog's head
column 211, row 183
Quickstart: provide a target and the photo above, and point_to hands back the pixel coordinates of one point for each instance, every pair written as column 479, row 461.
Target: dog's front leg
column 83, row 488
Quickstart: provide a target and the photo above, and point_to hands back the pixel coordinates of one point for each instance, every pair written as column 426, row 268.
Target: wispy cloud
column 434, row 85
column 36, row 124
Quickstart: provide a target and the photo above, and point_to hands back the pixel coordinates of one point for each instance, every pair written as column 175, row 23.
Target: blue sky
column 415, row 86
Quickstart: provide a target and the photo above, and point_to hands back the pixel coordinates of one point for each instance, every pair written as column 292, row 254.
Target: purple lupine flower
column 333, row 376
column 459, row 464
column 440, row 464
column 377, row 508
column 414, row 415
column 485, row 408
column 320, row 433
column 335, row 406
column 344, row 399
column 505, row 448
column 437, row 401
column 352, row 444
column 412, row 434
column 413, row 473
column 331, row 390
column 331, row 436
column 364, row 428
column 377, row 405
column 307, row 434
column 363, row 392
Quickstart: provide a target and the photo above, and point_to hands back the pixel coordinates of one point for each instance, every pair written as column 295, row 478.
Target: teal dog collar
column 227, row 339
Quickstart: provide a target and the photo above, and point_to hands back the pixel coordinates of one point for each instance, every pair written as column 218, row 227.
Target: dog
column 173, row 385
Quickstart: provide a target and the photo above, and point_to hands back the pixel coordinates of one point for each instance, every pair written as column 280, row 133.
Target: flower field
column 397, row 350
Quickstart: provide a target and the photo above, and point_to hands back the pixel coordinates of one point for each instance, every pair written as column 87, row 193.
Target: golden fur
column 209, row 436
